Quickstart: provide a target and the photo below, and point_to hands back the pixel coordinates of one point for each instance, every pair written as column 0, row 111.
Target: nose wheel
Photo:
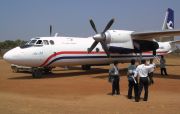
column 37, row 72
column 86, row 67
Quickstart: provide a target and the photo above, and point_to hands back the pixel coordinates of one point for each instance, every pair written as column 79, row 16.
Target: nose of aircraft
column 21, row 57
column 8, row 56
column 12, row 55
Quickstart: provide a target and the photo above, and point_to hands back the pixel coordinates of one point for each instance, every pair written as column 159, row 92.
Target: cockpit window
column 39, row 42
column 32, row 42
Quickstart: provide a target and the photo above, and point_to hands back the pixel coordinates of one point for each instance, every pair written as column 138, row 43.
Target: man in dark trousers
column 151, row 72
column 163, row 65
column 114, row 74
column 132, row 81
column 142, row 71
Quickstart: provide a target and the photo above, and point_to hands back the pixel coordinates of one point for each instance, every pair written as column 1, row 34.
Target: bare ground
column 76, row 91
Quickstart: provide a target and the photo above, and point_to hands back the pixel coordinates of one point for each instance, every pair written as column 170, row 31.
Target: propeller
column 50, row 30
column 153, row 44
column 136, row 46
column 137, row 50
column 100, row 37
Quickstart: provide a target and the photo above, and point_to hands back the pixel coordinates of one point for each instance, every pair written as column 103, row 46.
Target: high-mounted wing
column 176, row 41
column 154, row 34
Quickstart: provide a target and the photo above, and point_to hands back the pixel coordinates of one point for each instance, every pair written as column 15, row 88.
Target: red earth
column 77, row 91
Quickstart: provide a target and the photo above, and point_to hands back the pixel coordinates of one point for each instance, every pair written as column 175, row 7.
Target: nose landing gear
column 38, row 72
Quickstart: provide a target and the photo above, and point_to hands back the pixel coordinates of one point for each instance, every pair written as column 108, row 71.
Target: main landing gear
column 86, row 67
column 38, row 72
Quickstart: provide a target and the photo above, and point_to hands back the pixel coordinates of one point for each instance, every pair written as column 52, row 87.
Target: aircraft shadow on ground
column 91, row 72
column 73, row 72
column 172, row 65
column 22, row 77
column 169, row 76
column 123, row 72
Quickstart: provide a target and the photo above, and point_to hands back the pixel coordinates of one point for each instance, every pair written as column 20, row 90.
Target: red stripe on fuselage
column 83, row 52
column 68, row 52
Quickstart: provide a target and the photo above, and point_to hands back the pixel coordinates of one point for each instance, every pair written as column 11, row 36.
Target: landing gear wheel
column 86, row 67
column 15, row 69
column 47, row 70
column 36, row 73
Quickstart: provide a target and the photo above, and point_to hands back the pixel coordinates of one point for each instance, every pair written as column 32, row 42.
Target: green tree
column 9, row 44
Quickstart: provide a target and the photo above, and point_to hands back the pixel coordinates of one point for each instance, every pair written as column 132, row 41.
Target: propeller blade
column 136, row 45
column 50, row 30
column 93, row 25
column 92, row 46
column 140, row 57
column 108, row 25
column 104, row 46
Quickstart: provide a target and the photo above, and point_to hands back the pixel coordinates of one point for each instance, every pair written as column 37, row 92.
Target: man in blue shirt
column 132, row 81
column 114, row 73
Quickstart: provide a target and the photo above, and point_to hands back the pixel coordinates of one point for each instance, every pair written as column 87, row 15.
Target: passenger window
column 51, row 42
column 46, row 42
column 39, row 42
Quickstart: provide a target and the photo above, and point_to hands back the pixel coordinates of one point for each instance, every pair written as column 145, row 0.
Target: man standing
column 114, row 74
column 132, row 81
column 142, row 71
column 151, row 72
column 163, row 65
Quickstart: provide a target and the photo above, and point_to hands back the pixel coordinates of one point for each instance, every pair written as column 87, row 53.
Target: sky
column 25, row 19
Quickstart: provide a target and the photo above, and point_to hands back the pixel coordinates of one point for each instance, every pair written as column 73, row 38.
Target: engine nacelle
column 119, row 39
column 118, row 36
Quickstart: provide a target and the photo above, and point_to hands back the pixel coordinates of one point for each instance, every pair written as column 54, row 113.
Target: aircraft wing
column 155, row 34
column 176, row 41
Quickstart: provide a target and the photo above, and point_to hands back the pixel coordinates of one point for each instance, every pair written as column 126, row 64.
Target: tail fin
column 168, row 24
column 168, row 20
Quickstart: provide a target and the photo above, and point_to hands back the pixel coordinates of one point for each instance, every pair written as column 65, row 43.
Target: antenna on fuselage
column 50, row 30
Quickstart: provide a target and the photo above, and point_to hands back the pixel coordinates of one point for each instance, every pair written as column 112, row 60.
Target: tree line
column 9, row 44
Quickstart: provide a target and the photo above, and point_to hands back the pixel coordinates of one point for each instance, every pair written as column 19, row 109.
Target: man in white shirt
column 142, row 71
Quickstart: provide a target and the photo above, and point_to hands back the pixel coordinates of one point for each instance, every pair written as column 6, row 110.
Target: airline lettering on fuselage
column 38, row 53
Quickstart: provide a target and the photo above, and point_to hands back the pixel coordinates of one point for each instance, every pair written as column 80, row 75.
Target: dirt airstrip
column 85, row 92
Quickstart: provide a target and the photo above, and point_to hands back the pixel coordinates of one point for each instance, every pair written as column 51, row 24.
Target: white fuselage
column 69, row 51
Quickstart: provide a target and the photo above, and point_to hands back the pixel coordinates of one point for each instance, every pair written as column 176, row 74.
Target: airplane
column 43, row 53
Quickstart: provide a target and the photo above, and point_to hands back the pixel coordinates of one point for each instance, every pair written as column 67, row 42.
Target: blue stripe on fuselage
column 92, row 57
